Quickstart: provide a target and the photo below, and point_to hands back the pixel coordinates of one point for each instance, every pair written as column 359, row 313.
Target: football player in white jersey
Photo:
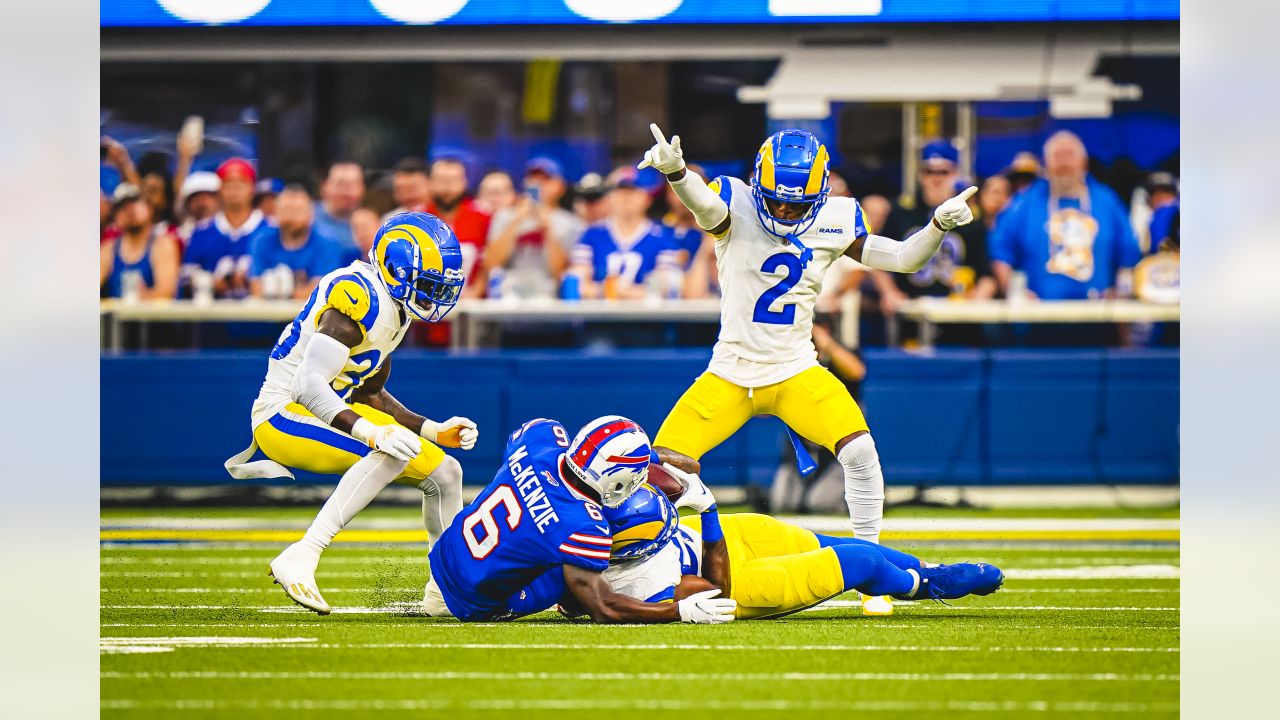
column 775, row 238
column 324, row 407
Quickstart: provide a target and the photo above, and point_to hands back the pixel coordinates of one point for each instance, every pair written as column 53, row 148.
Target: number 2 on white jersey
column 483, row 516
column 787, row 315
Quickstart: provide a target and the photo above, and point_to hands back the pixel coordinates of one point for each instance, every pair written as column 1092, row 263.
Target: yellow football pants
column 813, row 403
column 775, row 568
column 295, row 438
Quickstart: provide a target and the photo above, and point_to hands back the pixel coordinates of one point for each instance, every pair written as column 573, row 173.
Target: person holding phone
column 529, row 244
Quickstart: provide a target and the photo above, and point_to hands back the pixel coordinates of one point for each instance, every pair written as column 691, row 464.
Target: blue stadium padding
column 1139, row 415
column 952, row 417
column 1043, row 415
column 925, row 414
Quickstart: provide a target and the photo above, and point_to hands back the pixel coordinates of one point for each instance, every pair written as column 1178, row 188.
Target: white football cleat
column 294, row 572
column 877, row 605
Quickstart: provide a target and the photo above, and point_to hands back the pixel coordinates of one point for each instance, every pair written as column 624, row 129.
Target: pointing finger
column 968, row 193
column 657, row 133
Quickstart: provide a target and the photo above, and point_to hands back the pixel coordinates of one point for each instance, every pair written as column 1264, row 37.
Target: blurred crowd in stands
column 1045, row 229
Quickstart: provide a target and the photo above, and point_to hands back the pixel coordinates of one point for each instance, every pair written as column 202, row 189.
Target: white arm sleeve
column 707, row 207
column 323, row 359
column 908, row 256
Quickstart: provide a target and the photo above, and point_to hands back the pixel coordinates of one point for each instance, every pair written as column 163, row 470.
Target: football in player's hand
column 664, row 482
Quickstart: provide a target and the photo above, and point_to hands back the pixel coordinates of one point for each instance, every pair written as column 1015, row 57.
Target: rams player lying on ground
column 773, row 568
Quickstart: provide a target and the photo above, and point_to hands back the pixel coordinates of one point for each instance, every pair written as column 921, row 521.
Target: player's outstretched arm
column 604, row 605
column 913, row 253
column 456, row 432
column 668, row 158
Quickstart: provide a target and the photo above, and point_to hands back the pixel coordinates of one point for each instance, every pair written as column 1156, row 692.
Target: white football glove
column 955, row 212
column 665, row 157
column 394, row 440
column 696, row 496
column 705, row 608
column 456, row 432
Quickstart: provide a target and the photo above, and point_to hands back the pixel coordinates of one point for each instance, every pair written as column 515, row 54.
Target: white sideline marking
column 234, row 591
column 312, row 644
column 750, row 648
column 630, row 676
column 837, row 604
column 841, row 524
column 322, row 625
column 1010, row 706
column 132, row 645
column 809, row 522
column 1108, row 572
column 413, row 608
column 389, row 558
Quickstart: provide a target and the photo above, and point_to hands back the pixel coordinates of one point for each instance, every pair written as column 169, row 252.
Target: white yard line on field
column 809, row 522
column 638, row 676
column 1010, row 706
column 412, row 608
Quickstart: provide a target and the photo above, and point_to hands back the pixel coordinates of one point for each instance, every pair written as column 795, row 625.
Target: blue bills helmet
column 641, row 525
column 420, row 263
column 791, row 167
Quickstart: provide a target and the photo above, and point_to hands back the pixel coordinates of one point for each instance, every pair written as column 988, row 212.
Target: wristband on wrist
column 711, row 531
column 362, row 430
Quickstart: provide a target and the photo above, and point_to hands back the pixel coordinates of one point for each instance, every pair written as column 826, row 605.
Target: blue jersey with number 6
column 526, row 522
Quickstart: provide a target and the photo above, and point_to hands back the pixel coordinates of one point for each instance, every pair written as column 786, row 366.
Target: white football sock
column 441, row 498
column 863, row 487
column 358, row 487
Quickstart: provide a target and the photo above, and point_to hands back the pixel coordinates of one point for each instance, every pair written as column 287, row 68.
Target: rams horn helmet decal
column 791, row 167
column 420, row 263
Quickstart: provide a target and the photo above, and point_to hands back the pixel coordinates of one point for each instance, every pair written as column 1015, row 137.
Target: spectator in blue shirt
column 1068, row 232
column 341, row 193
column 613, row 258
column 289, row 259
column 221, row 244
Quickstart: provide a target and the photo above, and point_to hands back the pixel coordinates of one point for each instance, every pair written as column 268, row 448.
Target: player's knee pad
column 862, row 463
column 445, row 478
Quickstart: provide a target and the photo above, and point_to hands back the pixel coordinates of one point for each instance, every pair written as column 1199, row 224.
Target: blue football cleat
column 948, row 582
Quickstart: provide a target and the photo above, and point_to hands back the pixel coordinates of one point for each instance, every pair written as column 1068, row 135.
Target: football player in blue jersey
column 539, row 524
column 324, row 407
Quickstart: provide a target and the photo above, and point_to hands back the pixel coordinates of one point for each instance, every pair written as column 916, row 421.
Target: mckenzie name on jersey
column 526, row 522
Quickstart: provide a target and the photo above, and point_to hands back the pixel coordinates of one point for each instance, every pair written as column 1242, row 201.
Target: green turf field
column 196, row 630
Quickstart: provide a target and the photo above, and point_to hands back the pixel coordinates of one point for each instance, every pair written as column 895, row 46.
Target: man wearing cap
column 589, row 198
column 197, row 201
column 265, row 193
column 1068, row 232
column 960, row 266
column 221, row 245
column 529, row 244
column 1162, row 199
column 615, row 257
column 1023, row 172
column 449, row 202
column 289, row 259
column 142, row 260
